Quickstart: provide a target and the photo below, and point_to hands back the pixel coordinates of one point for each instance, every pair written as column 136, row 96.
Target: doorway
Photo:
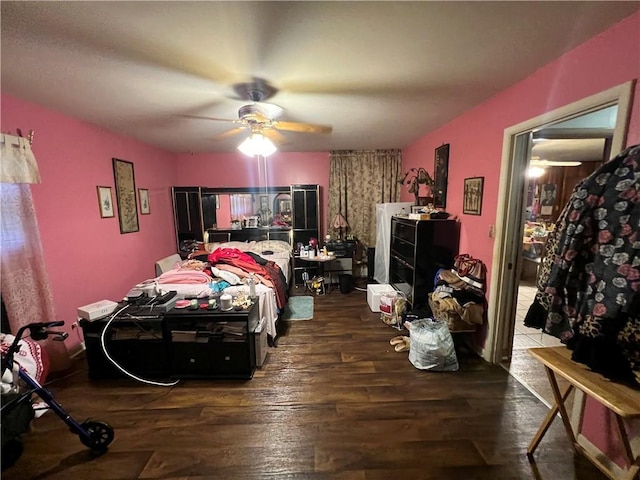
column 556, row 166
column 507, row 266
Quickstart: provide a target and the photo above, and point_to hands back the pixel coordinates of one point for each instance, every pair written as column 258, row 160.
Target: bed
column 225, row 268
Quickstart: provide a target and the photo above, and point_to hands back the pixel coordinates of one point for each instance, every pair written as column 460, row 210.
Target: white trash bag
column 431, row 346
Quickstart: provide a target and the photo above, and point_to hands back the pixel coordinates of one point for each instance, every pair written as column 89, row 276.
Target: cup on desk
column 226, row 302
column 312, row 253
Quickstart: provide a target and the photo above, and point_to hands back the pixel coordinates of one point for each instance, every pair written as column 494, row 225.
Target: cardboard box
column 374, row 292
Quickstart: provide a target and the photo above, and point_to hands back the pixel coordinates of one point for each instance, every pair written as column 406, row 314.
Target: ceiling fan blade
column 228, row 133
column 274, row 135
column 301, row 127
column 201, row 117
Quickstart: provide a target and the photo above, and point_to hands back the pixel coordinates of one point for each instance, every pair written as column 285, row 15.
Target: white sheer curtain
column 242, row 206
column 26, row 289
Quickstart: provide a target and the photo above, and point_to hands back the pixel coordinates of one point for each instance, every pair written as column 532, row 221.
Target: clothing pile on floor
column 458, row 298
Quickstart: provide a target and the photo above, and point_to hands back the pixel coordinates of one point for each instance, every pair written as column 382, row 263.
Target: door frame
column 507, row 255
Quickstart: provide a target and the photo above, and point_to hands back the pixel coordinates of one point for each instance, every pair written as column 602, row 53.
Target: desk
column 320, row 261
column 621, row 400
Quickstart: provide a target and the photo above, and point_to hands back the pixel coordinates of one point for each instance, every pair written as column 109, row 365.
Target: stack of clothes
column 458, row 300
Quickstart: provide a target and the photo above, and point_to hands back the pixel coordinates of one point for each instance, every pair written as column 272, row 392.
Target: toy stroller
column 17, row 409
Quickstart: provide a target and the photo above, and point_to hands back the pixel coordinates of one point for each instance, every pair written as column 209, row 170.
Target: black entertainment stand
column 181, row 343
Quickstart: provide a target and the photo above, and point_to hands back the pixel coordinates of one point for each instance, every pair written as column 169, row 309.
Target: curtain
column 358, row 180
column 26, row 290
column 18, row 162
column 242, row 206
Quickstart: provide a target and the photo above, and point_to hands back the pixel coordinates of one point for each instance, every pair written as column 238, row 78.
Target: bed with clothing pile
column 226, row 268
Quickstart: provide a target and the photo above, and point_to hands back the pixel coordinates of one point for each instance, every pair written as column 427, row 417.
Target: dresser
column 419, row 248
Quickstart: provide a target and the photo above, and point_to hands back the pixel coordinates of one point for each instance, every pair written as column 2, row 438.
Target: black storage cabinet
column 138, row 347
column 212, row 344
column 419, row 248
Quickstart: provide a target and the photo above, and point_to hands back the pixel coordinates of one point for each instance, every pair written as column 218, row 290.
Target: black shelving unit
column 419, row 248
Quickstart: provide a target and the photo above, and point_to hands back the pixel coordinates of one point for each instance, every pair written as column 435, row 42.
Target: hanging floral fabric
column 590, row 276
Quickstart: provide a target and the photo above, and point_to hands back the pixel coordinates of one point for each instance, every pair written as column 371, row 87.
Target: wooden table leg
column 546, row 423
column 563, row 411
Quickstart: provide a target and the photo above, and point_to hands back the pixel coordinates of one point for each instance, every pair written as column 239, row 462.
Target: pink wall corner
column 237, row 170
column 87, row 258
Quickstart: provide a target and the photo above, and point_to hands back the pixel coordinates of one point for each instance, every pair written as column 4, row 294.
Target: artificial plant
column 416, row 177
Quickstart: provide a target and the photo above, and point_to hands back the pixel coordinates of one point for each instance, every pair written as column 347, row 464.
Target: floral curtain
column 26, row 289
column 358, row 180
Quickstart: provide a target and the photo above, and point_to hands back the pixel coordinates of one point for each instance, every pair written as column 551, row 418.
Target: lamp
column 339, row 223
column 257, row 144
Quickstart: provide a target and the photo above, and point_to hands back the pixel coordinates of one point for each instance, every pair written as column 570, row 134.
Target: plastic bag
column 432, row 346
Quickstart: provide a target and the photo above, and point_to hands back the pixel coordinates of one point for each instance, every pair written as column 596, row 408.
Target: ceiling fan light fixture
column 257, row 144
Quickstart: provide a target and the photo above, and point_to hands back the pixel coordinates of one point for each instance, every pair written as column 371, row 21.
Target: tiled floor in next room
column 527, row 370
column 526, row 337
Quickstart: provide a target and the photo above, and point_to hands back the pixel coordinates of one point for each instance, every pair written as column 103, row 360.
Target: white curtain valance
column 17, row 162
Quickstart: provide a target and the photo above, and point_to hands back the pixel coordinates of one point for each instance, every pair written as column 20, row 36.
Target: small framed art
column 472, row 201
column 126, row 195
column 105, row 200
column 143, row 197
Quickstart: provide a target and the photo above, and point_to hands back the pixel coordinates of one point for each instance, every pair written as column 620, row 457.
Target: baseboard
column 78, row 350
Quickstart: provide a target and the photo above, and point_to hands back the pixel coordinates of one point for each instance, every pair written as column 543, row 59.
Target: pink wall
column 475, row 139
column 87, row 258
column 238, row 170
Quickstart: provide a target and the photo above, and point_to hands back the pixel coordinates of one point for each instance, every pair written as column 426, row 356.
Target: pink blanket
column 184, row 277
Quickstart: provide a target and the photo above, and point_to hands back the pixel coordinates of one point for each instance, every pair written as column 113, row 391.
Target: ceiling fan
column 260, row 117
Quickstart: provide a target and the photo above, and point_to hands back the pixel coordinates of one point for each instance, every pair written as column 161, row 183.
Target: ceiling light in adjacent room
column 553, row 163
column 257, row 144
column 535, row 172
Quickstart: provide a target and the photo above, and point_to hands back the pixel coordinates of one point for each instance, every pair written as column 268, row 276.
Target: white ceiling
column 382, row 74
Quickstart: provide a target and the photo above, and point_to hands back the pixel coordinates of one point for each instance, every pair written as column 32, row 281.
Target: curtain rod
column 29, row 137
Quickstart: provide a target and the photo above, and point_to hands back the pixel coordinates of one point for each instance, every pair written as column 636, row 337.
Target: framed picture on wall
column 441, row 176
column 105, row 200
column 472, row 200
column 143, row 197
column 126, row 195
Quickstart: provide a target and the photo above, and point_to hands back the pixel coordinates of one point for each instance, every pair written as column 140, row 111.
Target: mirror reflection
column 252, row 210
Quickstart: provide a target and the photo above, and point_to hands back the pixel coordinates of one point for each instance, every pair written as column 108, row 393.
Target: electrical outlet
column 492, row 231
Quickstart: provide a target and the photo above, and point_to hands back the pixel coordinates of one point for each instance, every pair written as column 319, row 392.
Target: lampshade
column 339, row 222
column 257, row 144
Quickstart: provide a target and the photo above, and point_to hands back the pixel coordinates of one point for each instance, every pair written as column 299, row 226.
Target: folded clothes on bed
column 184, row 277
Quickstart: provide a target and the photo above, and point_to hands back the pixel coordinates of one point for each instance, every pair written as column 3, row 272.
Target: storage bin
column 346, row 283
column 374, row 292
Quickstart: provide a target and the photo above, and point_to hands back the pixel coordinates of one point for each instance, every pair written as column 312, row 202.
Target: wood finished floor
column 333, row 401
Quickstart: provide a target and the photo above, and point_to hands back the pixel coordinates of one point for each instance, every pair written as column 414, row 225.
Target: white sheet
column 267, row 304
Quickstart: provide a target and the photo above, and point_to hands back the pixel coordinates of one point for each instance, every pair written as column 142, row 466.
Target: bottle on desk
column 252, row 286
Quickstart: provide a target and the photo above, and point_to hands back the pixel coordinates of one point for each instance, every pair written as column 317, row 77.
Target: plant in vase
column 416, row 177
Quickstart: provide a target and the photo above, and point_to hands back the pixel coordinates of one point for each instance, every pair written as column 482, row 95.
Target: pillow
column 230, row 277
column 272, row 245
column 210, row 247
column 242, row 246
